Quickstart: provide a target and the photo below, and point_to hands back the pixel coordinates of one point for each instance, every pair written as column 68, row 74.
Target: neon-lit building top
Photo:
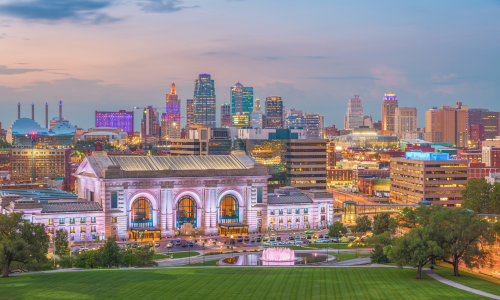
column 390, row 96
column 427, row 156
column 173, row 107
column 117, row 119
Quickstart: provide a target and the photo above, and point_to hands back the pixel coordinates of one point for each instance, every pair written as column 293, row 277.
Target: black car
column 320, row 236
column 258, row 239
column 240, row 239
column 290, row 237
column 191, row 244
column 272, row 239
column 278, row 238
column 178, row 243
column 184, row 245
column 246, row 239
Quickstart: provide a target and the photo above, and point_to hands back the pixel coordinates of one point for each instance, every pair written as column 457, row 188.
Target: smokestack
column 46, row 115
column 32, row 111
column 60, row 110
column 18, row 110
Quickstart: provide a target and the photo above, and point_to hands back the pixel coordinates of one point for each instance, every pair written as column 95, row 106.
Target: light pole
column 338, row 242
column 189, row 251
column 54, row 249
column 203, row 254
column 231, row 241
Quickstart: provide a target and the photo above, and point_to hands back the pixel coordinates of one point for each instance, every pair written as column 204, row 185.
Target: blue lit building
column 24, row 131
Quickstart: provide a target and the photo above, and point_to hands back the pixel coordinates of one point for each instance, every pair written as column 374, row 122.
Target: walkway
column 352, row 262
column 441, row 279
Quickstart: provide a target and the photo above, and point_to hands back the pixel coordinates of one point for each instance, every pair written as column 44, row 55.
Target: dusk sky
column 110, row 55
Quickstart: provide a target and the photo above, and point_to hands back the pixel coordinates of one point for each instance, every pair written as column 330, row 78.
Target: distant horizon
column 110, row 55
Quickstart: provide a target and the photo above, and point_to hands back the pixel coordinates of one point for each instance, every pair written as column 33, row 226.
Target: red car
column 306, row 241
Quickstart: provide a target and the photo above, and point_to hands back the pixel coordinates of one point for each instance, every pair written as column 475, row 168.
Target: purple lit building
column 171, row 126
column 118, row 119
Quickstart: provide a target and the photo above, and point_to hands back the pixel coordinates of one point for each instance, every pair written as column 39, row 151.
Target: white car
column 170, row 245
column 267, row 244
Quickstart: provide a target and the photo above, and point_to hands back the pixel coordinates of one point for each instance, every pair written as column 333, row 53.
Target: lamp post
column 189, row 251
column 203, row 254
column 231, row 241
column 338, row 242
column 54, row 249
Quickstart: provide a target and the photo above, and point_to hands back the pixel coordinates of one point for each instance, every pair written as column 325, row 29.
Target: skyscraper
column 405, row 123
column 225, row 115
column 448, row 125
column 256, row 115
column 150, row 125
column 204, row 102
column 172, row 127
column 354, row 117
column 489, row 119
column 389, row 105
column 274, row 112
column 295, row 119
column 189, row 114
column 241, row 99
column 312, row 126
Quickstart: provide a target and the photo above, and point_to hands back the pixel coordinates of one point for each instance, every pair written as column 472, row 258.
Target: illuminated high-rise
column 256, row 115
column 448, row 125
column 118, row 119
column 189, row 114
column 241, row 99
column 354, row 117
column 389, row 105
column 225, row 115
column 172, row 127
column 405, row 122
column 150, row 125
column 204, row 102
column 274, row 112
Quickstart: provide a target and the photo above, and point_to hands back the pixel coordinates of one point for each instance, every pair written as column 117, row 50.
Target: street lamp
column 54, row 249
column 189, row 251
column 231, row 241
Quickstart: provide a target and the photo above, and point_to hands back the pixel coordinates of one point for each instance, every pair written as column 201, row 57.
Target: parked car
column 306, row 241
column 303, row 236
column 246, row 239
column 170, row 245
column 298, row 242
column 267, row 243
column 240, row 239
column 76, row 251
column 191, row 244
column 309, row 237
column 258, row 239
column 178, row 243
column 290, row 237
column 278, row 238
column 334, row 240
column 157, row 244
column 253, row 239
column 326, row 236
column 128, row 245
column 320, row 236
column 266, row 238
column 134, row 245
column 309, row 232
column 272, row 239
column 184, row 245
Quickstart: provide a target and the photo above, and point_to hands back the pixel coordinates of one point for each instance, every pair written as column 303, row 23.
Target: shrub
column 65, row 262
column 145, row 257
column 378, row 255
column 130, row 260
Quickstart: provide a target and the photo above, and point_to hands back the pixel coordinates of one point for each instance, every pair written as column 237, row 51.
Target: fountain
column 278, row 255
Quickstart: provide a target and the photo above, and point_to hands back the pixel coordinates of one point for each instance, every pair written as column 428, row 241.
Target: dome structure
column 26, row 126
column 63, row 128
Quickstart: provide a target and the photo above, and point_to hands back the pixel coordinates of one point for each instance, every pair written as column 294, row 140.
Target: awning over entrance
column 142, row 229
column 145, row 233
column 233, row 228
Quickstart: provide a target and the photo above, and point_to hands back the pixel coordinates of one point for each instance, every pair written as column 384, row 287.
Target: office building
column 448, row 124
column 204, row 102
column 256, row 115
column 117, row 119
column 428, row 176
column 476, row 136
column 171, row 124
column 295, row 119
column 364, row 137
column 405, row 122
column 354, row 117
column 321, row 127
column 189, row 114
column 389, row 105
column 29, row 165
column 271, row 134
column 312, row 122
column 203, row 141
column 368, row 121
column 240, row 120
column 274, row 112
column 488, row 119
column 241, row 99
column 150, row 125
column 225, row 115
column 491, row 156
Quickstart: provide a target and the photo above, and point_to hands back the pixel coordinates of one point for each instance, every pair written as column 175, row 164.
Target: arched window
column 186, row 211
column 142, row 213
column 229, row 209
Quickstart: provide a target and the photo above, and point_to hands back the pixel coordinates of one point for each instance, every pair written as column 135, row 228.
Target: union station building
column 127, row 197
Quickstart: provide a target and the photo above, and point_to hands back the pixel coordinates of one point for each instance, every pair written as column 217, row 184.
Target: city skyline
column 88, row 66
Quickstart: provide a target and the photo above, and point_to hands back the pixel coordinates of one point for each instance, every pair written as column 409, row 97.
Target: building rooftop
column 70, row 207
column 286, row 199
column 427, row 156
column 42, row 194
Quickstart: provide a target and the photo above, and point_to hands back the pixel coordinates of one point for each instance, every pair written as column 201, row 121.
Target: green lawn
column 200, row 264
column 176, row 255
column 473, row 280
column 333, row 246
column 231, row 283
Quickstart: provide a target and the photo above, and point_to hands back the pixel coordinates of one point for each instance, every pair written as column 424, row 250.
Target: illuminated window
column 306, row 218
column 306, row 210
column 72, row 229
column 82, row 229
column 259, row 213
column 142, row 213
column 186, row 211
column 51, row 221
column 92, row 220
column 61, row 220
column 114, row 219
column 72, row 220
column 92, row 228
column 228, row 209
column 83, row 220
column 281, row 211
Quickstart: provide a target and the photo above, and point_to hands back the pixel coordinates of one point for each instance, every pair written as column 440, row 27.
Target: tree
column 481, row 196
column 378, row 256
column 381, row 223
column 496, row 228
column 416, row 249
column 21, row 241
column 363, row 224
column 130, row 260
column 383, row 239
column 111, row 254
column 462, row 236
column 145, row 257
column 61, row 242
column 337, row 230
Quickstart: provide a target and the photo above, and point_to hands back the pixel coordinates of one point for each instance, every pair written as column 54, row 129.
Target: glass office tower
column 204, row 102
column 241, row 99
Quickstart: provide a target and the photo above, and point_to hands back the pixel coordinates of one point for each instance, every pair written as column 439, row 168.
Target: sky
column 120, row 54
